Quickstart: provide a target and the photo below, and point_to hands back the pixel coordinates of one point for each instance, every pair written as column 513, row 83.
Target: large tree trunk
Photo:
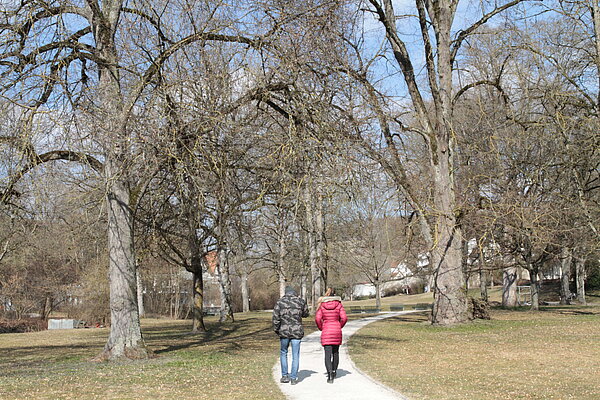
column 566, row 260
column 580, row 275
column 226, row 314
column 140, row 290
column 450, row 305
column 245, row 292
column 509, row 287
column 125, row 337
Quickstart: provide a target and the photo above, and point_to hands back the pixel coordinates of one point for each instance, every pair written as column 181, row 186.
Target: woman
column 330, row 319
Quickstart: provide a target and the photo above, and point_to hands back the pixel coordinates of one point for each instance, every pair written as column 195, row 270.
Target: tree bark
column 125, row 338
column 198, row 302
column 245, row 292
column 580, row 275
column 195, row 265
column 450, row 306
column 483, row 292
column 509, row 287
column 140, row 290
column 312, row 248
column 46, row 308
column 226, row 314
column 566, row 260
column 535, row 288
column 321, row 241
column 377, row 294
column 281, row 260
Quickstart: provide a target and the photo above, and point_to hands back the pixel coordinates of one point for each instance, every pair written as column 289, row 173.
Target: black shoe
column 285, row 379
column 294, row 381
column 334, row 374
column 330, row 377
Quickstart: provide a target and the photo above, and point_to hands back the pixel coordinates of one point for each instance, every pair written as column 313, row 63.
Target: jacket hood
column 289, row 291
column 331, row 302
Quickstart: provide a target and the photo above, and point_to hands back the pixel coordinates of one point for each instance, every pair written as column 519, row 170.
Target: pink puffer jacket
column 331, row 318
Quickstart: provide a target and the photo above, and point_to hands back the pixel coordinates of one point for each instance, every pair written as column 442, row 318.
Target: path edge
column 368, row 320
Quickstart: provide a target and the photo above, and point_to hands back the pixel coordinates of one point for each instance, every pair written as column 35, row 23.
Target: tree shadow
column 227, row 335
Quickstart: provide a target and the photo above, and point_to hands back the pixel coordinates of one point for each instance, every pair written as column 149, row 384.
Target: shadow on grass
column 374, row 341
column 36, row 360
column 229, row 335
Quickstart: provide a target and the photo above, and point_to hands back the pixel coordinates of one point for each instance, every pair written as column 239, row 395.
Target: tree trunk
column 315, row 272
column 226, row 314
column 305, row 264
column 535, row 288
column 450, row 300
column 195, row 266
column 483, row 292
column 377, row 295
column 509, row 287
column 450, row 304
column 140, row 290
column 303, row 286
column 566, row 260
column 245, row 292
column 281, row 260
column 46, row 308
column 177, row 293
column 198, row 302
column 125, row 338
column 580, row 274
column 321, row 243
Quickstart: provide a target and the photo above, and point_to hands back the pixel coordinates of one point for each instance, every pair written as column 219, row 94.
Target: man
column 287, row 323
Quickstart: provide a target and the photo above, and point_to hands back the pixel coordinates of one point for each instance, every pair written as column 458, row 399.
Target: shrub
column 22, row 325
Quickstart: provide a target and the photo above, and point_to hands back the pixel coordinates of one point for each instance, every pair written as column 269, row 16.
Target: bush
column 22, row 325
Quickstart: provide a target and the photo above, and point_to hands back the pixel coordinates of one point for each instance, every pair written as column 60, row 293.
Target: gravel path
column 350, row 384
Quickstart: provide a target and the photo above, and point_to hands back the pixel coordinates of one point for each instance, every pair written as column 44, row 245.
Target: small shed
column 65, row 324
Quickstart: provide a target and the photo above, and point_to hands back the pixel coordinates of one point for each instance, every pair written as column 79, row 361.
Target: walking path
column 350, row 384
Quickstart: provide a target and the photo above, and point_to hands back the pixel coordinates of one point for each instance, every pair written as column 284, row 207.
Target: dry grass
column 228, row 362
column 551, row 354
column 495, row 294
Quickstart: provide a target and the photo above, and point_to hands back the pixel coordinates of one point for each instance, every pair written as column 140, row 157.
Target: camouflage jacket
column 287, row 316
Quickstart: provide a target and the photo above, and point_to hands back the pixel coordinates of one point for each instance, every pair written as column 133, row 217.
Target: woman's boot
column 329, row 377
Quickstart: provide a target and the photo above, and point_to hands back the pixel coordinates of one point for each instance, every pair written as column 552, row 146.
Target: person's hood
column 289, row 291
column 331, row 302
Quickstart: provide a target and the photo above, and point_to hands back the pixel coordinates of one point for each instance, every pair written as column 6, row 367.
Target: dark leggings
column 332, row 357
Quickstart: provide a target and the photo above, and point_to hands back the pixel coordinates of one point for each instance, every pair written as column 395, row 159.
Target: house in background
column 399, row 279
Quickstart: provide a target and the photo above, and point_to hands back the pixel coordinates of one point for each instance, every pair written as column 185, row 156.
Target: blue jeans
column 285, row 343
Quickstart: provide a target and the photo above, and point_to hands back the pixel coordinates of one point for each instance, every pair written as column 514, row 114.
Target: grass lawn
column 495, row 294
column 552, row 354
column 231, row 361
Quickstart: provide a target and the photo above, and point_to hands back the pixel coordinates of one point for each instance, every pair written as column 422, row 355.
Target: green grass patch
column 231, row 361
column 551, row 354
